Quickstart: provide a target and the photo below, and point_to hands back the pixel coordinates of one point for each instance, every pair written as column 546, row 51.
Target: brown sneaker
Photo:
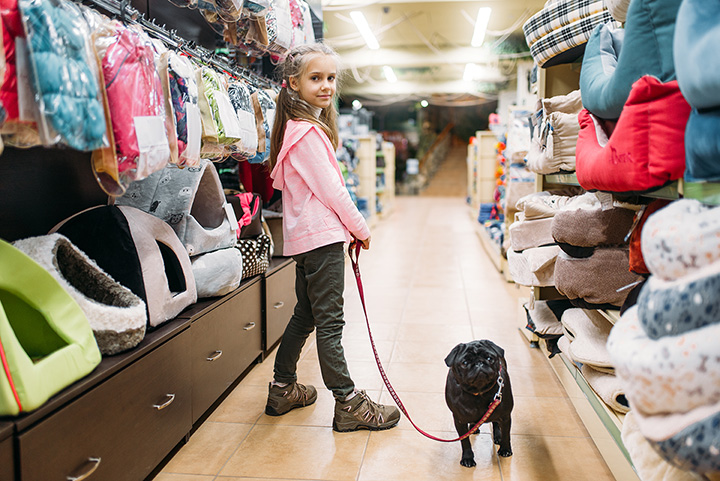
column 360, row 412
column 283, row 399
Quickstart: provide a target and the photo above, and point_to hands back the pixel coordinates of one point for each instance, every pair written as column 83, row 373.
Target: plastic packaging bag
column 242, row 102
column 221, row 126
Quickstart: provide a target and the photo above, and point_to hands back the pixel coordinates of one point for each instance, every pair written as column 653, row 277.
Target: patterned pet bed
column 557, row 34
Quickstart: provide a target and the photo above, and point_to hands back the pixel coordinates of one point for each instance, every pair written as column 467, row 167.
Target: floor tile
column 182, row 477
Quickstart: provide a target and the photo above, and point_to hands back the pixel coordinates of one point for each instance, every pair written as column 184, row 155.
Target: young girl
column 318, row 218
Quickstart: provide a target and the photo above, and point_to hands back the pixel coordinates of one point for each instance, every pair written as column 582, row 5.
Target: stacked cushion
column 554, row 138
column 609, row 69
column 645, row 151
column 618, row 9
column 557, row 34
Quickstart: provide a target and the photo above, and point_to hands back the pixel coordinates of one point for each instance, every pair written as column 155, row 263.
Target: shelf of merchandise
column 386, row 195
column 481, row 166
column 366, row 170
column 491, row 247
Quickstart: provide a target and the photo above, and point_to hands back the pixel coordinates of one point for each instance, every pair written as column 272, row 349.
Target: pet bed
column 616, row 58
column 192, row 201
column 45, row 339
column 540, row 205
column 589, row 331
column 553, row 148
column 139, row 251
column 702, row 149
column 526, row 234
column 670, row 308
column 618, row 9
column 593, row 282
column 647, row 148
column 681, row 238
column 637, row 261
column 583, row 229
column 557, row 34
column 545, row 316
column 217, row 273
column 669, row 374
column 607, row 386
column 533, row 267
column 116, row 315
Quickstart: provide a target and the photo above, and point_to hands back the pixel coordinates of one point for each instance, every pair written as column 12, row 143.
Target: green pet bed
column 46, row 342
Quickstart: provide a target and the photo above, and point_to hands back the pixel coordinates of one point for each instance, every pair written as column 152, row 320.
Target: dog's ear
column 491, row 345
column 454, row 354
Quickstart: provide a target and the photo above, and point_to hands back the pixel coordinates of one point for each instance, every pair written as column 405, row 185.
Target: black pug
column 472, row 383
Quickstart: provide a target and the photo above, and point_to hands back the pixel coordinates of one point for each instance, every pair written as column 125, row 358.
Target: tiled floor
column 429, row 285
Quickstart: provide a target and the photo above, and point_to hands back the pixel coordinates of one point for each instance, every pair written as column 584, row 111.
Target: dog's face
column 476, row 365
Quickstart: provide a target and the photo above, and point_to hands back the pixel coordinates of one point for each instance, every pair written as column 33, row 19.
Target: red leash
column 355, row 260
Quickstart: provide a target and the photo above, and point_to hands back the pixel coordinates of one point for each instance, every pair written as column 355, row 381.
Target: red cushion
column 647, row 147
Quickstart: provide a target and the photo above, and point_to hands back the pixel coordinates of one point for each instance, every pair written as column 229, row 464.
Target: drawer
column 120, row 430
column 225, row 341
column 7, row 460
column 279, row 303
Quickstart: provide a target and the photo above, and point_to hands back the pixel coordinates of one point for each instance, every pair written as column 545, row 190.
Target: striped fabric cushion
column 557, row 15
column 566, row 38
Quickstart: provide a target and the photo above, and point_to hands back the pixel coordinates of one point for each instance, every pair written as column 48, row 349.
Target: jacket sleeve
column 313, row 161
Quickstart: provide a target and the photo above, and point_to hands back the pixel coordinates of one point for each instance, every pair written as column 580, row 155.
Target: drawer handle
column 248, row 326
column 278, row 305
column 216, row 356
column 95, row 463
column 162, row 406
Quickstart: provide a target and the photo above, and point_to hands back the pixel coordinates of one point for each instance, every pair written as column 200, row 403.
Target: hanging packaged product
column 19, row 129
column 221, row 127
column 279, row 28
column 134, row 95
column 264, row 107
column 241, row 101
column 64, row 75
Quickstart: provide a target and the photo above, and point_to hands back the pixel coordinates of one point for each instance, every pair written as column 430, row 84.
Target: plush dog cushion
column 669, row 374
column 702, row 149
column 592, row 226
column 557, row 34
column 681, row 238
column 192, row 201
column 139, row 251
column 255, row 255
column 647, row 148
column 697, row 35
column 669, row 308
column 637, row 261
column 610, row 67
column 116, row 315
column 526, row 234
column 533, row 267
column 589, row 330
column 607, row 386
column 695, row 448
column 645, row 459
column 594, row 281
column 618, row 9
column 45, row 339
column 541, row 205
column 553, row 148
column 545, row 316
column 217, row 273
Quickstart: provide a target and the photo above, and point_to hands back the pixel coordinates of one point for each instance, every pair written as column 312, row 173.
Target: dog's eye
column 464, row 363
column 488, row 359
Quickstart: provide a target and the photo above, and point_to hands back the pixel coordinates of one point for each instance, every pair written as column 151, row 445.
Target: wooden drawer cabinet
column 225, row 341
column 279, row 303
column 121, row 429
column 7, row 457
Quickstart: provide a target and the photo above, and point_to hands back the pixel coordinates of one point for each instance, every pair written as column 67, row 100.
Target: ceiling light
column 389, row 74
column 480, row 26
column 424, row 103
column 470, row 72
column 356, row 104
column 364, row 28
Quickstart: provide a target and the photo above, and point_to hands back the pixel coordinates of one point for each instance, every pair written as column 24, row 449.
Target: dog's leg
column 468, row 458
column 504, row 425
column 496, row 432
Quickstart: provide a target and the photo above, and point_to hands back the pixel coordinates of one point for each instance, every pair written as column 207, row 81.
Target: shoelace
column 372, row 410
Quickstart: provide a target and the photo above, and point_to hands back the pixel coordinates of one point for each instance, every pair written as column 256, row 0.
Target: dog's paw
column 467, row 460
column 505, row 453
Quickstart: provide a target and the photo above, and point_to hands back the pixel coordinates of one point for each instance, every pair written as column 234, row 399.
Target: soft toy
column 610, row 69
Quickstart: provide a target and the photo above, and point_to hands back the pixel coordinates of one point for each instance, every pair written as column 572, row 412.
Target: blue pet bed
column 610, row 67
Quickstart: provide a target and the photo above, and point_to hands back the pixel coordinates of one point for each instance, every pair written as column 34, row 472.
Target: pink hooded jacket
column 317, row 209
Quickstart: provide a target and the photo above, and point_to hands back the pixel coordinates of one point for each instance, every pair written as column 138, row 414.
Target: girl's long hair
column 290, row 106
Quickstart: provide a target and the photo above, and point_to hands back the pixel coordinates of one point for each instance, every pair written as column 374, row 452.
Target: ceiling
column 427, row 43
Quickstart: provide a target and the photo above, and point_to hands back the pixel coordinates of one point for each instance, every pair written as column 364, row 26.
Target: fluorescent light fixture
column 481, row 26
column 364, row 28
column 389, row 74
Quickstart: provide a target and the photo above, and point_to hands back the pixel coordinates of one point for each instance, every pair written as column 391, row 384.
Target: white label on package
column 228, row 117
column 150, row 132
column 270, row 114
column 238, row 4
column 230, row 213
column 249, row 137
column 194, row 130
column 26, row 99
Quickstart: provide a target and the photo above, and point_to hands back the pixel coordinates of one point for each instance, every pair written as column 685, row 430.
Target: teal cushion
column 697, row 37
column 608, row 73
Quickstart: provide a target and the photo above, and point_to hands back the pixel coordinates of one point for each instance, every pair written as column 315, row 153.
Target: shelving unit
column 367, row 172
column 481, row 166
column 385, row 177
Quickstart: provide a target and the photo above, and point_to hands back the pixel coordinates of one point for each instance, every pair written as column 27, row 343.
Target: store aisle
column 429, row 286
column 450, row 180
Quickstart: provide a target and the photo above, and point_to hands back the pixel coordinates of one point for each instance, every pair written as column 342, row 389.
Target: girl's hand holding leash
column 365, row 242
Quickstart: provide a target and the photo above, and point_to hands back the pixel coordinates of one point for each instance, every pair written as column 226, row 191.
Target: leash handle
column 354, row 253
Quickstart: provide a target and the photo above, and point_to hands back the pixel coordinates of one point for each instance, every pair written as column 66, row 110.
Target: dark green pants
column 319, row 286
